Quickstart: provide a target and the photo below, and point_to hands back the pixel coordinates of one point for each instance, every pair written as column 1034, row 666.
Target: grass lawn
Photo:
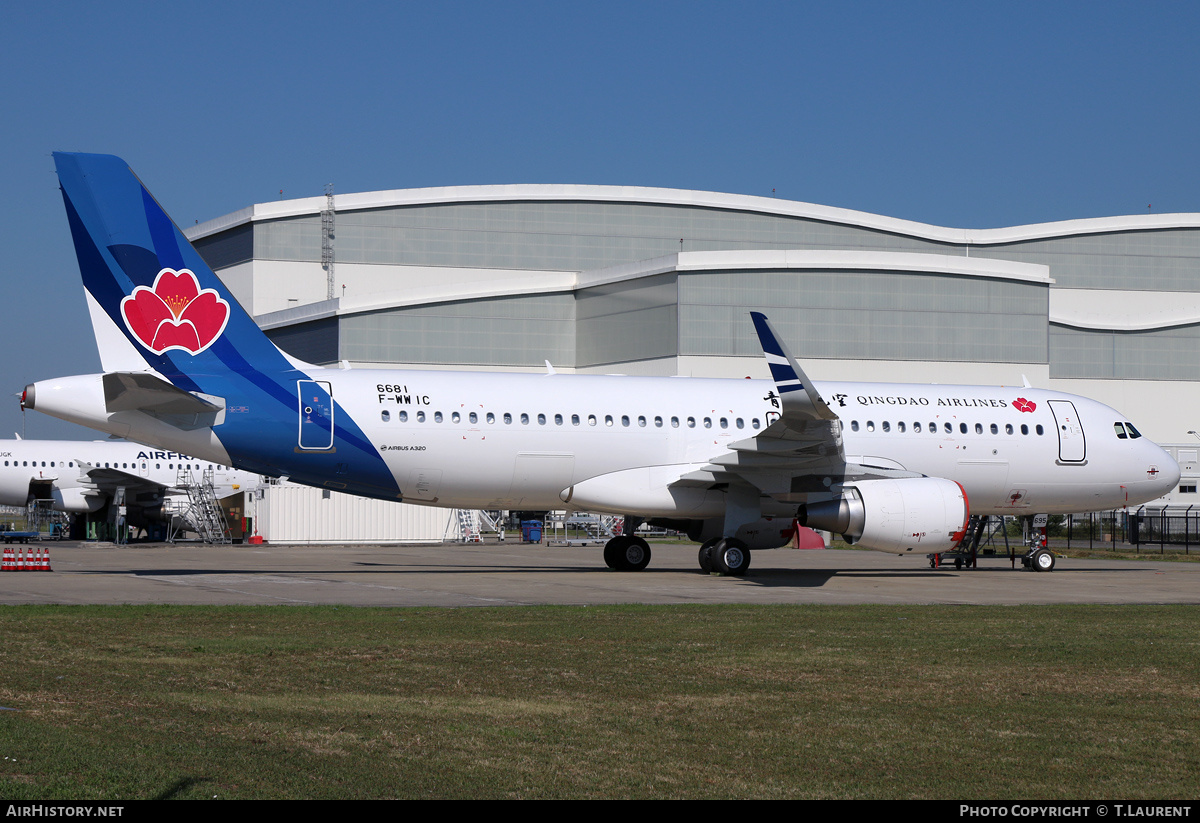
column 593, row 702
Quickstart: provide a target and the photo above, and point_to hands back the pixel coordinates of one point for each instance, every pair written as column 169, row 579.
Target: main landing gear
column 725, row 555
column 627, row 554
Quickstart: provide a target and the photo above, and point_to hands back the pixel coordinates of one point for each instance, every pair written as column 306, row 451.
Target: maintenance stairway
column 201, row 513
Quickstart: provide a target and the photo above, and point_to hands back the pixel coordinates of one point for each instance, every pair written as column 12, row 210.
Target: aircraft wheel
column 636, row 555
column 706, row 563
column 1043, row 560
column 730, row 556
column 613, row 551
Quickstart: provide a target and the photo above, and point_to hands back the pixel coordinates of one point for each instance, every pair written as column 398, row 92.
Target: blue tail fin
column 158, row 297
column 156, row 305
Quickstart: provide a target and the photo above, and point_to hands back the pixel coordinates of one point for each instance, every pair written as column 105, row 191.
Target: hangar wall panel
column 566, row 236
column 627, row 321
column 289, row 513
column 228, row 248
column 507, row 331
column 315, row 342
column 1160, row 260
column 1156, row 354
column 866, row 315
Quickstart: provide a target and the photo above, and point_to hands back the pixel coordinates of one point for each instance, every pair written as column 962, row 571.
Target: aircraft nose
column 1167, row 476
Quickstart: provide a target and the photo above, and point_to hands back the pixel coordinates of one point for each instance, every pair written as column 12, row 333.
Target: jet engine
column 75, row 501
column 925, row 513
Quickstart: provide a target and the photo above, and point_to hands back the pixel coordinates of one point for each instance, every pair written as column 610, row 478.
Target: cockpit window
column 1134, row 433
column 1120, row 429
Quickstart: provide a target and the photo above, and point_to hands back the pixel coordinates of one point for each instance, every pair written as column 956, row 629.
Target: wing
column 800, row 454
column 106, row 481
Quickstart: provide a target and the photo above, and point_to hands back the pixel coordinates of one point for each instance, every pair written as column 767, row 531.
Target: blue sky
column 959, row 114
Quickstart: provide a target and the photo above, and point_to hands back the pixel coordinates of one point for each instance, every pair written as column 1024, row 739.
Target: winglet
column 796, row 391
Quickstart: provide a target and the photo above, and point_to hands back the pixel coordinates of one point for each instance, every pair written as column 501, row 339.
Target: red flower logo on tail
column 1023, row 405
column 175, row 313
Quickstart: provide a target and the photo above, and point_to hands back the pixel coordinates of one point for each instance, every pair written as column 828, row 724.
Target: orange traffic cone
column 44, row 566
column 10, row 562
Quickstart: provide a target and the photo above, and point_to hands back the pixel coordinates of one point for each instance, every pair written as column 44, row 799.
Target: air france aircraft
column 893, row 467
column 80, row 477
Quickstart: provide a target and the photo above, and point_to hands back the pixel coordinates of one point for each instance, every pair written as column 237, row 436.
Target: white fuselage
column 53, row 468
column 521, row 441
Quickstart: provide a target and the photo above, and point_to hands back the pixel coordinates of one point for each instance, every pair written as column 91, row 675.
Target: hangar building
column 633, row 280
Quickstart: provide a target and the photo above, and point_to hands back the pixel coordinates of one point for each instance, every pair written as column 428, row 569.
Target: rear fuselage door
column 1071, row 445
column 316, row 414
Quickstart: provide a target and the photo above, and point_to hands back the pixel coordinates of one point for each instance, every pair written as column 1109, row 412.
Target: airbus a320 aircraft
column 893, row 467
column 81, row 477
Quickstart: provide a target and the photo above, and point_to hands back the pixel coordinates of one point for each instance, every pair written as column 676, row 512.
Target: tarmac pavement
column 506, row 574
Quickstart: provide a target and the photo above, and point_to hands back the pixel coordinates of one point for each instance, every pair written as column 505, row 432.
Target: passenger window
column 674, row 422
column 740, row 424
column 437, row 417
column 625, row 420
column 1008, row 429
column 1024, row 429
column 724, row 422
column 853, row 425
column 870, row 425
column 455, row 417
column 1040, row 430
column 473, row 417
column 949, row 428
column 917, row 428
column 541, row 419
column 979, row 428
column 995, row 429
column 524, row 419
column 657, row 422
column 708, row 422
column 691, row 422
column 403, row 417
column 608, row 421
column 962, row 427
column 491, row 417
column 900, row 427
column 754, row 422
column 420, row 417
column 574, row 420
column 508, row 418
column 887, row 426
column 642, row 421
column 591, row 419
column 386, row 415
column 558, row 419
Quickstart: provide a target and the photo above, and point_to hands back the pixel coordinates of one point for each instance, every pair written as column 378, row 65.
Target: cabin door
column 1071, row 445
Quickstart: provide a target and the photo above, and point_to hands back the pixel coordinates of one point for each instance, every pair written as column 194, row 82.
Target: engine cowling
column 76, row 501
column 898, row 516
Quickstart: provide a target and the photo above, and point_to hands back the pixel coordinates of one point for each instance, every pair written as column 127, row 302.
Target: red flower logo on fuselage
column 175, row 313
column 1023, row 405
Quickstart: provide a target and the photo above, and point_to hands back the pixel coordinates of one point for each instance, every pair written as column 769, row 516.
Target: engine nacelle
column 76, row 501
column 924, row 513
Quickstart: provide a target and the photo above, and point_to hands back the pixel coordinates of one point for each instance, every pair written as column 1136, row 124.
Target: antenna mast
column 327, row 233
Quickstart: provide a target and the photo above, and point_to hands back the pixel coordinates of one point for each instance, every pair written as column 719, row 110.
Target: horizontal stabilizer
column 142, row 391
